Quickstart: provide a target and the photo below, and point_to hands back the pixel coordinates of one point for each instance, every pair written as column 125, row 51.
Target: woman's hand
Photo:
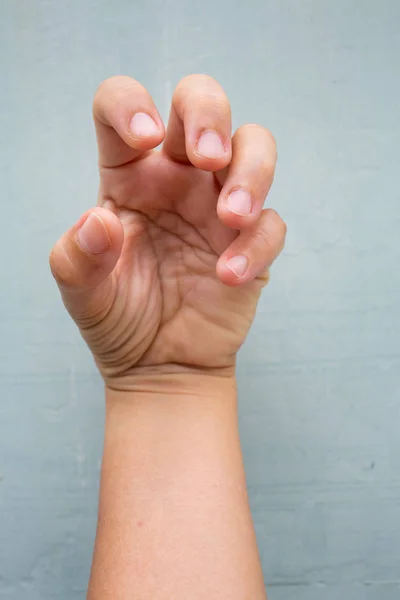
column 164, row 275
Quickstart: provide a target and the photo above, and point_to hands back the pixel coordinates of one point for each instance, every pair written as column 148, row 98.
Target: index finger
column 127, row 121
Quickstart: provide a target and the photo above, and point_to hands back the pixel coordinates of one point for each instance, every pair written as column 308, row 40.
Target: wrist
column 190, row 398
column 182, row 412
column 172, row 380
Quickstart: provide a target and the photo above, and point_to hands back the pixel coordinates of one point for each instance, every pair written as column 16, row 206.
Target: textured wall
column 320, row 375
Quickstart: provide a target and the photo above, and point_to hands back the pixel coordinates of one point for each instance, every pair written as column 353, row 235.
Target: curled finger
column 253, row 251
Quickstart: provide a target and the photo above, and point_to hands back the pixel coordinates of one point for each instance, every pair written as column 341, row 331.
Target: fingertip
column 113, row 225
column 209, row 151
column 146, row 131
column 88, row 251
column 234, row 220
column 127, row 121
column 228, row 280
column 206, row 164
column 99, row 230
column 232, row 271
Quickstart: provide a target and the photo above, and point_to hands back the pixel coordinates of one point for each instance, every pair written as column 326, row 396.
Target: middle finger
column 199, row 127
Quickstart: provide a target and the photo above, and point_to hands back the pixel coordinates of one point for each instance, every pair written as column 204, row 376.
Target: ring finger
column 248, row 178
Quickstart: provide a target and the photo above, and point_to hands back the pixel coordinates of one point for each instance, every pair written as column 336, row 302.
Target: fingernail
column 93, row 236
column 210, row 145
column 239, row 202
column 142, row 125
column 238, row 265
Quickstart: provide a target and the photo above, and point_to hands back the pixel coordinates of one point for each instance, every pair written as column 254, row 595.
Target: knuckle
column 271, row 145
column 269, row 137
column 201, row 87
column 267, row 166
column 105, row 88
column 261, row 237
column 64, row 269
column 258, row 146
column 276, row 222
column 52, row 262
column 114, row 83
column 264, row 277
column 114, row 88
column 255, row 129
column 271, row 231
column 213, row 100
column 184, row 87
column 197, row 80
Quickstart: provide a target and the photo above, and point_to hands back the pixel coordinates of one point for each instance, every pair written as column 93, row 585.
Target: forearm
column 174, row 520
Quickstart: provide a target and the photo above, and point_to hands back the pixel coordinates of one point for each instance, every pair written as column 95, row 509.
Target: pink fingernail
column 210, row 145
column 238, row 265
column 142, row 125
column 239, row 202
column 93, row 236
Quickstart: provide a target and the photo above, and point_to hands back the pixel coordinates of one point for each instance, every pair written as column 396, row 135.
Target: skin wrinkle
column 182, row 231
column 183, row 175
column 164, row 322
column 104, row 312
column 127, row 163
column 154, row 233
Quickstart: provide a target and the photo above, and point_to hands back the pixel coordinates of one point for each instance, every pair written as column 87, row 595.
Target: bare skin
column 163, row 279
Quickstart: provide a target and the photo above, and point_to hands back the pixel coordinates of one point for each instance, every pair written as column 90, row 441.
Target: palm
column 169, row 304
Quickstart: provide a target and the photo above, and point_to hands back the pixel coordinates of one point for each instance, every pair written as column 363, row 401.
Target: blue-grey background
column 320, row 374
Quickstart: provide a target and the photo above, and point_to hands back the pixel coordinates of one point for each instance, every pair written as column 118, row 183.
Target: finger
column 248, row 178
column 82, row 261
column 199, row 127
column 253, row 251
column 127, row 121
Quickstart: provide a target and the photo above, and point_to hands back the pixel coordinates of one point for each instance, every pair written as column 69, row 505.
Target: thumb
column 82, row 261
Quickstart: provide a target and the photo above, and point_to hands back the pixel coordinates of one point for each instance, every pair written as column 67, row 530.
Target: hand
column 166, row 272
